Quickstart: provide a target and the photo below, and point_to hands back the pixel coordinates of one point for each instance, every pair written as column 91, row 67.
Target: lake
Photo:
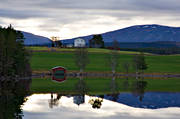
column 154, row 106
column 90, row 99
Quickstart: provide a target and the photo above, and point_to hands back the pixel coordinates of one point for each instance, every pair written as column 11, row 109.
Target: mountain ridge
column 33, row 40
column 138, row 33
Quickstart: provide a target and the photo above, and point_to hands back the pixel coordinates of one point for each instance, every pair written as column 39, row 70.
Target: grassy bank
column 91, row 50
column 102, row 86
column 43, row 61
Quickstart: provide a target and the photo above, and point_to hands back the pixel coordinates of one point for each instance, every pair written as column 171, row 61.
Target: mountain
column 35, row 40
column 140, row 36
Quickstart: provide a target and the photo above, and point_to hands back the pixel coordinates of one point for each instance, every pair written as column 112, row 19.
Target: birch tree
column 113, row 58
column 81, row 58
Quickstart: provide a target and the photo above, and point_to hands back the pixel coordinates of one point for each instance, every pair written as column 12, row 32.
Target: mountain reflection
column 151, row 100
column 37, row 107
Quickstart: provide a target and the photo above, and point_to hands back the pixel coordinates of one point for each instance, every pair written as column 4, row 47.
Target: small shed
column 58, row 74
column 79, row 42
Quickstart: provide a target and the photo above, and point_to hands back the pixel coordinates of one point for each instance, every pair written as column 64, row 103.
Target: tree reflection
column 12, row 96
column 126, row 83
column 113, row 85
column 138, row 88
column 96, row 103
column 114, row 89
column 80, row 86
column 81, row 89
column 54, row 101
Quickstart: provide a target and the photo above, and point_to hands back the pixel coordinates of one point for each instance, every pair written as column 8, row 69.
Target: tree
column 12, row 96
column 115, row 45
column 14, row 58
column 81, row 58
column 139, row 62
column 56, row 41
column 126, row 66
column 2, row 58
column 113, row 58
column 96, row 41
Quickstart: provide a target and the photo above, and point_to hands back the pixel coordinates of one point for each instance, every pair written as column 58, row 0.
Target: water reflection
column 81, row 87
column 152, row 100
column 12, row 96
column 54, row 101
column 96, row 103
column 126, row 83
column 79, row 99
column 37, row 107
column 138, row 89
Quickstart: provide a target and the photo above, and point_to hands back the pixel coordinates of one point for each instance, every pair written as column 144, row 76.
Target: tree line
column 14, row 58
column 160, row 51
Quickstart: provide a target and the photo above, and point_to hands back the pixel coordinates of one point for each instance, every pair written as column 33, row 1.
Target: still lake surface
column 18, row 102
column 155, row 105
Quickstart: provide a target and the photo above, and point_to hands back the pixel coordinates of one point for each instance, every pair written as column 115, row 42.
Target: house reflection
column 79, row 99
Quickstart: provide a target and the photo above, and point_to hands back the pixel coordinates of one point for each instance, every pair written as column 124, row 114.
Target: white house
column 79, row 42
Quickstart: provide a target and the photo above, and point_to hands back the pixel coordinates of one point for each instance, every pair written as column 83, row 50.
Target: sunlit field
column 44, row 61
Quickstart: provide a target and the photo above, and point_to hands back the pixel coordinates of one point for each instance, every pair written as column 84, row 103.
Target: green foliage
column 56, row 43
column 96, row 41
column 139, row 62
column 12, row 97
column 14, row 59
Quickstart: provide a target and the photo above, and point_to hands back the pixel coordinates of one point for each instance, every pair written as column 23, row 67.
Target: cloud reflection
column 37, row 107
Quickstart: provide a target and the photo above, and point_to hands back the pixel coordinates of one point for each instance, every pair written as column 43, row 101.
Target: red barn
column 59, row 74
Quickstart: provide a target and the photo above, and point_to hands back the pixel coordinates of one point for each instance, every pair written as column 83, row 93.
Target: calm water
column 17, row 102
column 126, row 106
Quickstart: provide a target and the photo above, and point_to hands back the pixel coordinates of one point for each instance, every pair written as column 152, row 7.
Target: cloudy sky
column 72, row 18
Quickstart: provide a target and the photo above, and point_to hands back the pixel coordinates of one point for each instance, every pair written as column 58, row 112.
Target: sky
column 74, row 18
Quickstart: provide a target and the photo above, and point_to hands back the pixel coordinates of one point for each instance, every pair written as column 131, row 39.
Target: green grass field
column 43, row 61
column 102, row 86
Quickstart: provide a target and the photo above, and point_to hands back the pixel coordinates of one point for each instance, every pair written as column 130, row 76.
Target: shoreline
column 90, row 74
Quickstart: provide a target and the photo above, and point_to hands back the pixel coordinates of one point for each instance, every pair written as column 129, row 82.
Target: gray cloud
column 16, row 14
column 50, row 8
column 54, row 14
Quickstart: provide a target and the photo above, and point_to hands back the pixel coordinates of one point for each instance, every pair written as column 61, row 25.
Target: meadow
column 44, row 61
